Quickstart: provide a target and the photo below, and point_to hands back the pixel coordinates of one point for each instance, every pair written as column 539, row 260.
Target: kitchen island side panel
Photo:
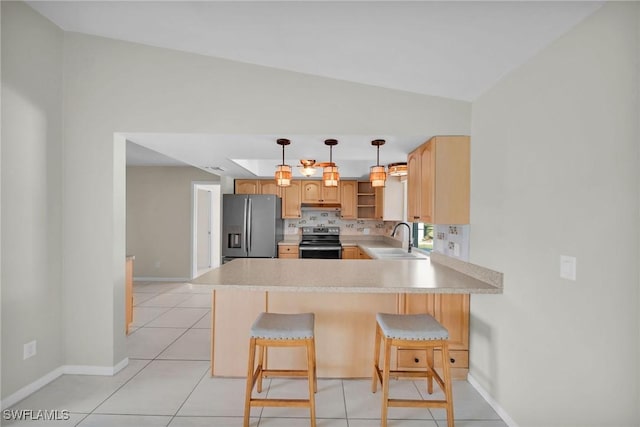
column 344, row 331
column 232, row 314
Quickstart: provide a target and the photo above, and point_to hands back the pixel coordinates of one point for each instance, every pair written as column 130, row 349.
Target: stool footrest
column 284, row 373
column 417, row 403
column 298, row 403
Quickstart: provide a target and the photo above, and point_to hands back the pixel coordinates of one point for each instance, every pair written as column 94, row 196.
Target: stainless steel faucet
column 393, row 233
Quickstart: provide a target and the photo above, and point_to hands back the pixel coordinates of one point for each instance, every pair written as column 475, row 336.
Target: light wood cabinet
column 287, row 251
column 452, row 311
column 439, row 181
column 362, row 254
column 316, row 192
column 247, row 186
column 369, row 201
column 348, row 199
column 378, row 210
column 349, row 252
column 128, row 293
column 291, row 200
column 269, row 186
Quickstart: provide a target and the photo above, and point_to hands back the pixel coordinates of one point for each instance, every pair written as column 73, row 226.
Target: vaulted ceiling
column 452, row 49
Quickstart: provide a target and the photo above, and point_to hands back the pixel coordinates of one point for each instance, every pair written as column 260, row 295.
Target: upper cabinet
column 438, row 181
column 269, row 186
column 370, row 201
column 315, row 192
column 291, row 200
column 348, row 198
column 247, row 186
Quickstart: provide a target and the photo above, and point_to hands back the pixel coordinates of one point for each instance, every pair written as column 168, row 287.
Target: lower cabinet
column 452, row 311
column 287, row 251
column 362, row 254
column 349, row 252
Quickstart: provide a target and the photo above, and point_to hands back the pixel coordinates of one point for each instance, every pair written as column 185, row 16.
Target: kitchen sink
column 395, row 253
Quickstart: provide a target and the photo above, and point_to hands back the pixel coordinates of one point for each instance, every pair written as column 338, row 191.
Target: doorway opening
column 205, row 227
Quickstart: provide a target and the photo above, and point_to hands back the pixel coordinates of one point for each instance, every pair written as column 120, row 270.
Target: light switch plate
column 567, row 267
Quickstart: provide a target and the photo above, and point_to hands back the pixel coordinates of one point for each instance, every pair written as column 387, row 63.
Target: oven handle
column 320, row 248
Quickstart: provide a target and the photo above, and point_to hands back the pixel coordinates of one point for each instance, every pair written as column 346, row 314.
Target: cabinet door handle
column 452, row 360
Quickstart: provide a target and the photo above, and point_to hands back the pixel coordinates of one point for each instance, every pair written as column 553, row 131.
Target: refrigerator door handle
column 245, row 228
column 249, row 221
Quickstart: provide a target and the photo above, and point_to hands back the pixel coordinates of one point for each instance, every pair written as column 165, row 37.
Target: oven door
column 320, row 252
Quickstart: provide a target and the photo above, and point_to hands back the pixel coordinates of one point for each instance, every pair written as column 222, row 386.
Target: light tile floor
column 167, row 382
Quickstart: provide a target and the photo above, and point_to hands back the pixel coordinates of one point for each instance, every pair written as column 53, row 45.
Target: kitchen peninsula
column 344, row 294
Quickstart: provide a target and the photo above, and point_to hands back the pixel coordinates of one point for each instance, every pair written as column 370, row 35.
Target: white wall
column 31, row 194
column 159, row 219
column 555, row 172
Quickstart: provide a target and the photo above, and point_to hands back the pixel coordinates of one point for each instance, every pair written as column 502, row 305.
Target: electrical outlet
column 29, row 350
column 567, row 267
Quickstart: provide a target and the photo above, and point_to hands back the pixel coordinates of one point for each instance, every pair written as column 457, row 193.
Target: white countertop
column 354, row 276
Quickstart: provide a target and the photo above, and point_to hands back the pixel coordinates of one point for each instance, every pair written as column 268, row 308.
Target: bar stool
column 415, row 331
column 281, row 330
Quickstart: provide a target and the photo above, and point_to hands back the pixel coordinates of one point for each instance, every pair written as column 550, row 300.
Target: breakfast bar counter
column 353, row 276
column 345, row 296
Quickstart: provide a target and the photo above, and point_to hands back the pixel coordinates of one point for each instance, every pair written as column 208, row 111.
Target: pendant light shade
column 377, row 174
column 307, row 167
column 330, row 174
column 283, row 172
column 398, row 169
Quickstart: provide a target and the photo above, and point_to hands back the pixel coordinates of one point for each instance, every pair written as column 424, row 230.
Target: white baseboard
column 65, row 369
column 161, row 279
column 491, row 401
column 95, row 370
column 31, row 388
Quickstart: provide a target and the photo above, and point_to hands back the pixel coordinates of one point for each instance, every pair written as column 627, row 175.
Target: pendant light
column 330, row 175
column 397, row 169
column 283, row 172
column 307, row 167
column 377, row 175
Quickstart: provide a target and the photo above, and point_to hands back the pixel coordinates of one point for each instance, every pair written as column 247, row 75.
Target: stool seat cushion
column 417, row 327
column 283, row 326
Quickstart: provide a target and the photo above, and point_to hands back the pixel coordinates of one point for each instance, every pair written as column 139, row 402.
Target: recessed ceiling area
column 249, row 156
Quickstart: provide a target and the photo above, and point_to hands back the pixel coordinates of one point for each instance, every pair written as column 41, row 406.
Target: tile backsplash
column 452, row 240
column 349, row 227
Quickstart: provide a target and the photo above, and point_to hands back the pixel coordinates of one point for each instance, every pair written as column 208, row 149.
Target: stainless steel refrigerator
column 252, row 226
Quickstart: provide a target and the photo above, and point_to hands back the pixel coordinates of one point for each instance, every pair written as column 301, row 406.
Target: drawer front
column 288, row 250
column 285, row 256
column 418, row 358
column 349, row 252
